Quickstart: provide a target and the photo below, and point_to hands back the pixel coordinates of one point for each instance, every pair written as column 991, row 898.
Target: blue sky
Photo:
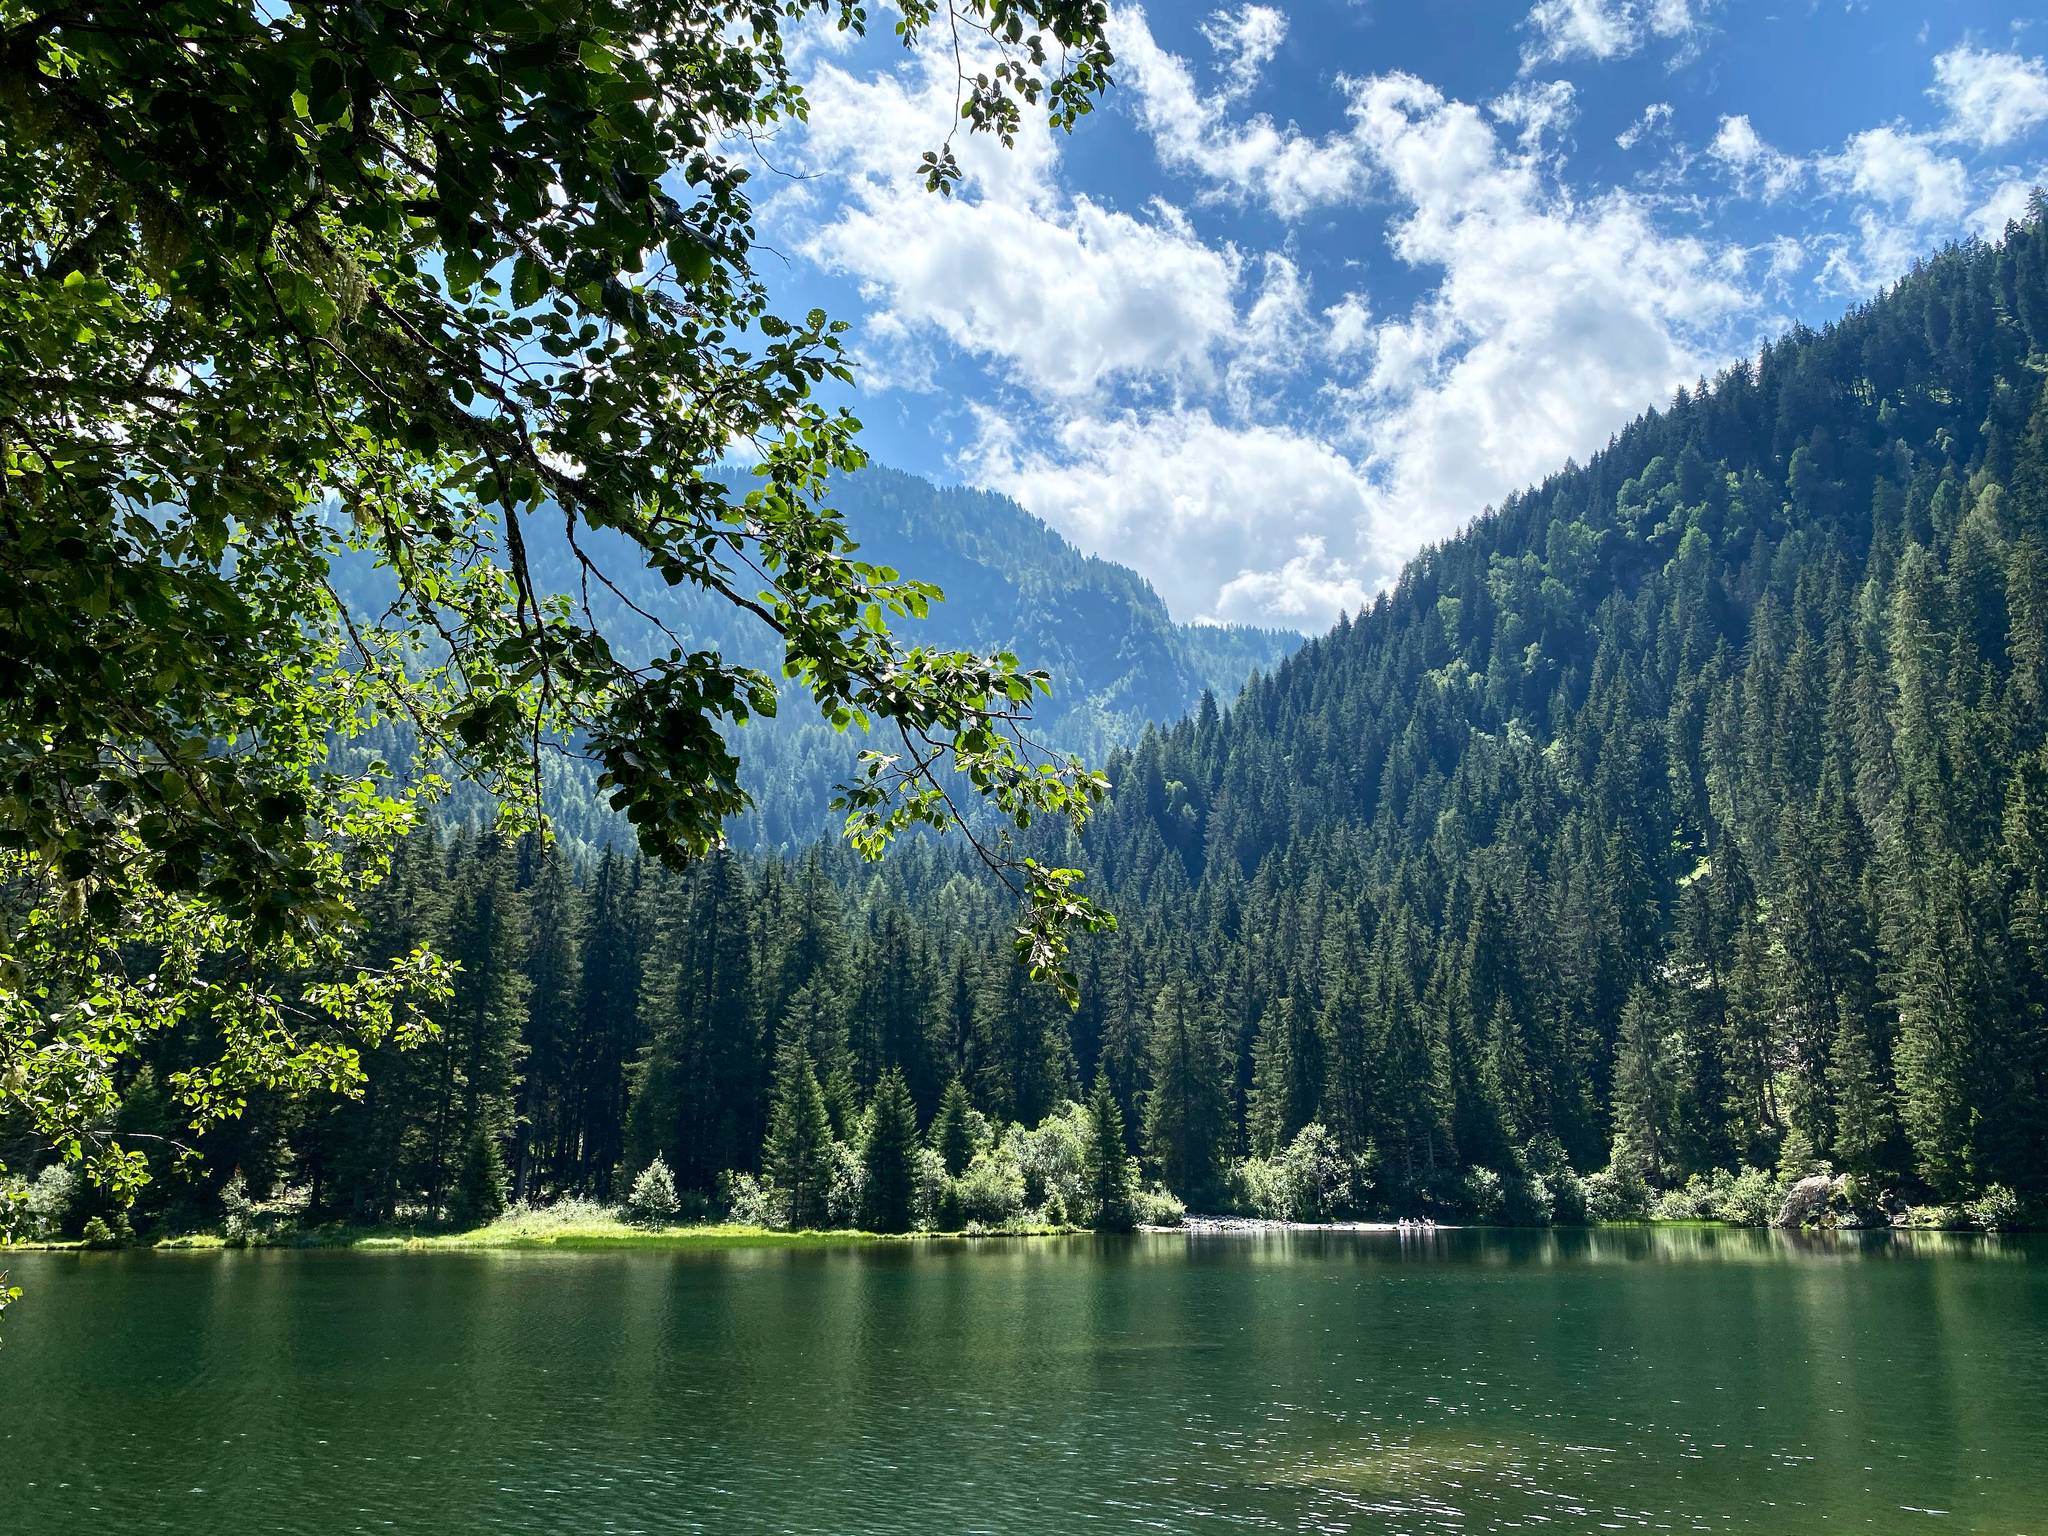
column 1322, row 280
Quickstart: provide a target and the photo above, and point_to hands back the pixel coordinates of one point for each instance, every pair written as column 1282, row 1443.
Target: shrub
column 652, row 1200
column 1483, row 1199
column 1996, row 1210
column 1550, row 1169
column 1682, row 1204
column 1525, row 1200
column 50, row 1202
column 1617, row 1193
column 1324, row 1181
column 1054, row 1157
column 752, row 1201
column 991, row 1191
column 1749, row 1199
column 848, row 1177
column 238, row 1211
column 1160, row 1207
column 100, row 1234
column 1567, row 1197
column 1258, row 1186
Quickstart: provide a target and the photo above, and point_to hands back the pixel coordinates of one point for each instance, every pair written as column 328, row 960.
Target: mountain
column 1117, row 658
column 1672, row 837
column 1689, row 810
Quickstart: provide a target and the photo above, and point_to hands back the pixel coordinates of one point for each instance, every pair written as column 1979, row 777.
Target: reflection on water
column 1668, row 1379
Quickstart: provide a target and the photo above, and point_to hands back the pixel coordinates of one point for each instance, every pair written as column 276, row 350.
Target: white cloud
column 1601, row 29
column 1536, row 110
column 1229, row 522
column 1274, row 337
column 1063, row 294
column 1255, row 158
column 1771, row 171
column 1607, row 29
column 1245, row 41
column 1347, row 326
column 1901, row 169
column 1554, row 322
column 1306, row 592
column 2007, row 204
column 1991, row 98
column 1266, row 448
column 1656, row 119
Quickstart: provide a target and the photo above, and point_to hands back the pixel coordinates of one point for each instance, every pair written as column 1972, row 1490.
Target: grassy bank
column 536, row 1229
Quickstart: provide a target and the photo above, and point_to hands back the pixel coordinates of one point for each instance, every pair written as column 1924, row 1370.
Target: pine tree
column 1645, row 1099
column 951, row 1135
column 608, row 1022
column 887, row 1156
column 1111, row 1193
column 1186, row 1108
column 797, row 1155
column 479, row 1046
column 543, row 1150
column 1866, row 1124
column 1287, row 1077
column 479, row 1193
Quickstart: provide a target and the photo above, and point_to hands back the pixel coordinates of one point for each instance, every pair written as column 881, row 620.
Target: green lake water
column 1672, row 1380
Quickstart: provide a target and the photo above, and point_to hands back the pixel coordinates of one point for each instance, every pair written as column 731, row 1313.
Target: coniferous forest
column 1676, row 833
column 789, row 995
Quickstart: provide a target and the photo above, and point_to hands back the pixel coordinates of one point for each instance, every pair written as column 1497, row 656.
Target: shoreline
column 597, row 1237
column 583, row 1237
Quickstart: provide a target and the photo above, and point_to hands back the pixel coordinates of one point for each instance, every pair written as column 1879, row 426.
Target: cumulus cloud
column 1991, row 98
column 1306, row 591
column 1347, row 326
column 1169, row 413
column 1192, row 130
column 1770, row 171
column 1606, row 29
column 1064, row 295
column 1903, row 170
column 1245, row 41
column 1553, row 323
column 1228, row 521
column 1264, row 446
column 2007, row 204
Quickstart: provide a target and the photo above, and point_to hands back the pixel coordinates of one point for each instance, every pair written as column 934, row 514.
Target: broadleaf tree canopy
column 285, row 280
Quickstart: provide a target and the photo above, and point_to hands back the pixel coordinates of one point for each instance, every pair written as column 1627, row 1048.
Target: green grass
column 581, row 1230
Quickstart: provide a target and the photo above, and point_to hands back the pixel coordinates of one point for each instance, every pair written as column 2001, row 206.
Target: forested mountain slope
column 1117, row 658
column 1690, row 804
column 1687, row 814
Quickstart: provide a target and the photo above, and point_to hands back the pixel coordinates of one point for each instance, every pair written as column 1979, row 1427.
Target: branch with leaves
column 289, row 284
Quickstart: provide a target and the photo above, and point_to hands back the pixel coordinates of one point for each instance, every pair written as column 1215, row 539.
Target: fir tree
column 951, row 1134
column 1111, row 1192
column 887, row 1156
column 797, row 1156
column 1186, row 1107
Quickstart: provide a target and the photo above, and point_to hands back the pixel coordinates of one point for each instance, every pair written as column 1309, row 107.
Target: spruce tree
column 1111, row 1195
column 797, row 1156
column 479, row 1194
column 1186, row 1108
column 951, row 1134
column 887, row 1156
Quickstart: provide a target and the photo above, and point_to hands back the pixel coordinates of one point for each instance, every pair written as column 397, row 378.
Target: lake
column 1671, row 1379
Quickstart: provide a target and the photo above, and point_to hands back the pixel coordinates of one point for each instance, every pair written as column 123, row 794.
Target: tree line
column 1681, row 823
